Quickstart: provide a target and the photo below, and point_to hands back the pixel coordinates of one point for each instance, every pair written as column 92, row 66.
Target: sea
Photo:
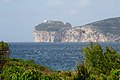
column 57, row 56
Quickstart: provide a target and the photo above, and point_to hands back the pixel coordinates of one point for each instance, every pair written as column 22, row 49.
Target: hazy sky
column 18, row 17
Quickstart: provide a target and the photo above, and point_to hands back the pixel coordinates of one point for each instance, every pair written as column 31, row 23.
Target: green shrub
column 99, row 63
column 17, row 69
column 4, row 48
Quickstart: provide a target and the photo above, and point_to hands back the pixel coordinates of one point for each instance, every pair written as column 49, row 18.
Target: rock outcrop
column 100, row 31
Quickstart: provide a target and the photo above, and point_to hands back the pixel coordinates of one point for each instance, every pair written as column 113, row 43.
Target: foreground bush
column 17, row 69
column 99, row 64
column 4, row 48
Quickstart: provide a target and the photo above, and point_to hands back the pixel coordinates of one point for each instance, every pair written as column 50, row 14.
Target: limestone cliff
column 57, row 31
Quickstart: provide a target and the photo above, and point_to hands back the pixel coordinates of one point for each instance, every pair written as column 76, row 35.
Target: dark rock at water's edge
column 100, row 31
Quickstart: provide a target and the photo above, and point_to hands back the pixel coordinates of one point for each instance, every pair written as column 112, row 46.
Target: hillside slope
column 111, row 25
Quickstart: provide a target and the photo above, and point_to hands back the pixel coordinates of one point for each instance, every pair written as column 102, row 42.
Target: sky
column 19, row 17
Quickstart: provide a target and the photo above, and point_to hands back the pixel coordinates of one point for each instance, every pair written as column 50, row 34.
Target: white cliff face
column 44, row 36
column 57, row 31
column 91, row 35
column 72, row 35
column 84, row 34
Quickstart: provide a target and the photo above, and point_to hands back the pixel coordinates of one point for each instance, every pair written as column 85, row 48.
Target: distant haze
column 19, row 17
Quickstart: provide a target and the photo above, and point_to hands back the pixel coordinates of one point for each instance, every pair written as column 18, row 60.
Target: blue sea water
column 57, row 56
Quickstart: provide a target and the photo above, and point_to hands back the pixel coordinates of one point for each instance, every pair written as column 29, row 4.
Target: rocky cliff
column 56, row 31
